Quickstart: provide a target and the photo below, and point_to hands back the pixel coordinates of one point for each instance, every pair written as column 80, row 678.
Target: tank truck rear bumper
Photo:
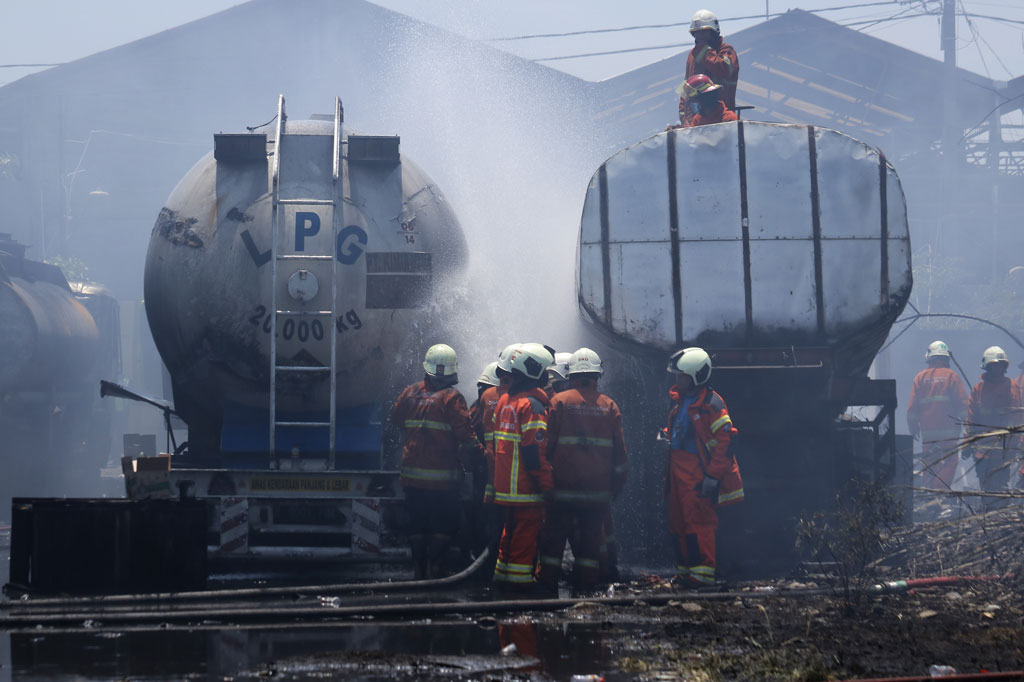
column 281, row 514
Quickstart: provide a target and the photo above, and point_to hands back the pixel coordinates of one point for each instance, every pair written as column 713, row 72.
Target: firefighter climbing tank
column 278, row 242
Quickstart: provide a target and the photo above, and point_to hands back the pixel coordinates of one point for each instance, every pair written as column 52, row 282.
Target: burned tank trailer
column 784, row 251
column 49, row 339
column 56, row 430
column 221, row 297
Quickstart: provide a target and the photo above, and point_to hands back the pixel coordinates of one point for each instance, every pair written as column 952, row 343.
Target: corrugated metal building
column 101, row 141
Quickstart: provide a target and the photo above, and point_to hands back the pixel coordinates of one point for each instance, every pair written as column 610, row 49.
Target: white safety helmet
column 559, row 371
column 693, row 362
column 585, row 361
column 490, row 375
column 440, row 361
column 937, row 349
column 505, row 355
column 704, row 19
column 530, row 360
column 993, row 354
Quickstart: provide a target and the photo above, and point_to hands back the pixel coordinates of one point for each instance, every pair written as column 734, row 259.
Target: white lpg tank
column 212, row 271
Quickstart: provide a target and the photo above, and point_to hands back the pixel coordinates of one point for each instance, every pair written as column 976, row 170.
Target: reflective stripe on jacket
column 993, row 404
column 522, row 472
column 710, row 419
column 488, row 403
column 938, row 404
column 436, row 425
column 585, row 446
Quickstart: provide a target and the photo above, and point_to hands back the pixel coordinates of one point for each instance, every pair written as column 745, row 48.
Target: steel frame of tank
column 290, row 512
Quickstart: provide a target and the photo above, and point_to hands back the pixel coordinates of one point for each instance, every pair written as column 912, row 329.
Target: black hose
column 415, row 609
column 249, row 592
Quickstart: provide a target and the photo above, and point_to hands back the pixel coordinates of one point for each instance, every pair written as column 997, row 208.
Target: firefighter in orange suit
column 702, row 471
column 588, row 459
column 480, row 415
column 439, row 439
column 493, row 517
column 522, row 474
column 994, row 404
column 490, row 397
column 558, row 375
column 707, row 106
column 478, row 410
column 712, row 57
column 938, row 404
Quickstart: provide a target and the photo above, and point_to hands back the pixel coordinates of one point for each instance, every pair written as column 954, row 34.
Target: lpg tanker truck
column 783, row 250
column 288, row 276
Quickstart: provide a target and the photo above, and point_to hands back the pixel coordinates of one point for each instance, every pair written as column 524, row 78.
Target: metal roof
column 801, row 68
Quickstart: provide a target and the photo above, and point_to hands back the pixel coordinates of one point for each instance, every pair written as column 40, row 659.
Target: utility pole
column 766, row 9
column 950, row 137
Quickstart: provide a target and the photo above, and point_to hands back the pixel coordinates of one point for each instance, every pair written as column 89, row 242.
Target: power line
column 598, row 54
column 682, row 23
column 581, row 55
column 20, row 66
column 1003, row 19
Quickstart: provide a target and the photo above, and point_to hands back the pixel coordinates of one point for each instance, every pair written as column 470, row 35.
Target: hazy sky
column 46, row 31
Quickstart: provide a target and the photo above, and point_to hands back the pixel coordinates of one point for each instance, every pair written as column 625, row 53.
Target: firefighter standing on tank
column 588, row 458
column 712, row 57
column 522, row 474
column 704, row 98
column 439, row 440
column 994, row 403
column 702, row 471
column 938, row 404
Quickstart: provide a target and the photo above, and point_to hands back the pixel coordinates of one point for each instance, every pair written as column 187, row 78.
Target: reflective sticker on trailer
column 301, row 485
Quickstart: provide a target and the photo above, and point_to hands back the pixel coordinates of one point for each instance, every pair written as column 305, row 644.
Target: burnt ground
column 744, row 637
column 780, row 630
column 757, row 632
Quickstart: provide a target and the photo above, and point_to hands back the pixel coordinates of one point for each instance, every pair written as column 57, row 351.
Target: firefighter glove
column 708, row 487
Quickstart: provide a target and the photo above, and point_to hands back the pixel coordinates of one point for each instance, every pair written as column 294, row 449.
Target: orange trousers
column 939, row 465
column 517, row 551
column 691, row 518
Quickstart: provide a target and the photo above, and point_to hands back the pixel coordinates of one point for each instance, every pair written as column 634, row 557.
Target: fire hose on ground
column 28, row 614
column 294, row 591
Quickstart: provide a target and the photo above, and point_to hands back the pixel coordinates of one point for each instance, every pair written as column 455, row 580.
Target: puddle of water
column 419, row 651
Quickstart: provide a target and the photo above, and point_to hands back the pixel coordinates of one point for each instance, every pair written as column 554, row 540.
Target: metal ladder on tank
column 336, row 204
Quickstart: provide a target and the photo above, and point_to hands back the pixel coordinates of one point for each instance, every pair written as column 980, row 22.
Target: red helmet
column 698, row 84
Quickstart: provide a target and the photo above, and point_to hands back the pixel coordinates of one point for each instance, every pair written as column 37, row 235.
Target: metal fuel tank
column 364, row 243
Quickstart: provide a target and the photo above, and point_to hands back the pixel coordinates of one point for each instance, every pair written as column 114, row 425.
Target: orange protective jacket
column 436, row 425
column 938, row 401
column 714, row 431
column 488, row 403
column 585, row 447
column 721, row 114
column 722, row 66
column 992, row 404
column 522, row 473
